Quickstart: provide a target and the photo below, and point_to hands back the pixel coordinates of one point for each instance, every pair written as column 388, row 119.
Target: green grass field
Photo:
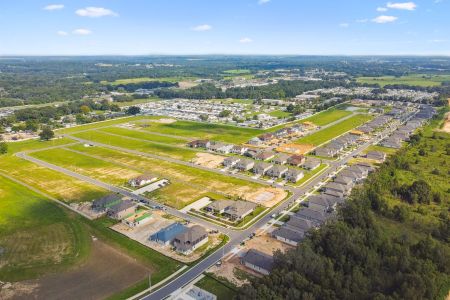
column 327, row 116
column 225, row 133
column 139, row 145
column 413, row 80
column 280, row 114
column 327, row 134
column 37, row 236
column 137, row 101
column 212, row 285
column 237, row 71
column 146, row 136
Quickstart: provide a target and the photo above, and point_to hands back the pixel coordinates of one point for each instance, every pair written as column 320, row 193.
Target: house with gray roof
column 258, row 261
column 261, row 168
column 294, row 175
column 122, row 209
column 281, row 159
column 265, row 155
column 235, row 210
column 346, row 181
column 337, row 187
column 277, row 171
column 190, row 239
column 376, row 155
column 311, row 163
column 231, row 161
column 315, row 216
column 245, row 164
column 102, row 204
column 239, row 150
column 323, row 202
column 288, row 236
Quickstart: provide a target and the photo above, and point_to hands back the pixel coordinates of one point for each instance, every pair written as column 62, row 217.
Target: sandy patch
column 295, row 148
column 267, row 244
column 17, row 290
column 186, row 84
column 208, row 160
column 267, row 197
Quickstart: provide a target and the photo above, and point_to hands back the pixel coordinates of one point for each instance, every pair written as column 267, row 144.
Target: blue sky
column 36, row 27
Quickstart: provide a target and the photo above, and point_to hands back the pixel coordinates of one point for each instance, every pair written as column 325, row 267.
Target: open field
column 139, row 145
column 97, row 125
column 217, row 132
column 137, row 101
column 187, row 184
column 126, row 132
column 86, row 165
column 388, row 151
column 237, row 71
column 327, row 116
column 148, row 79
column 413, row 80
column 331, row 132
column 37, row 236
column 280, row 114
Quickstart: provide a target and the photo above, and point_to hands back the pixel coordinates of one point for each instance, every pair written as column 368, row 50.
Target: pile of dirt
column 268, row 196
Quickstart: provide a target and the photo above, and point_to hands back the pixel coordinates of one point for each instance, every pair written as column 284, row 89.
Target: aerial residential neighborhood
column 218, row 150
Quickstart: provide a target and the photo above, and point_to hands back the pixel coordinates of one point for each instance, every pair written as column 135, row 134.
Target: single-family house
column 199, row 144
column 245, row 164
column 376, row 155
column 258, row 261
column 296, row 160
column 288, row 235
column 326, row 151
column 346, row 181
column 122, row 209
column 166, row 235
column 277, row 171
column 190, row 239
column 261, row 168
column 294, row 175
column 239, row 149
column 281, row 159
column 142, row 180
column 235, row 210
column 314, row 216
column 105, row 202
column 231, row 161
column 333, row 186
column 265, row 155
column 323, row 202
column 255, row 142
column 311, row 164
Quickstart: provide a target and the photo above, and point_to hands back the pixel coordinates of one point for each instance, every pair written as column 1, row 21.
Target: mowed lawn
column 327, row 134
column 327, row 116
column 96, row 168
column 37, row 236
column 187, row 183
column 412, row 80
column 218, row 132
column 138, row 145
column 145, row 136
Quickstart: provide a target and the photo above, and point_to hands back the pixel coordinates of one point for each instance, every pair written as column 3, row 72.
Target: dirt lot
column 267, row 197
column 163, row 121
column 267, row 244
column 446, row 127
column 208, row 160
column 98, row 278
column 295, row 148
column 17, row 137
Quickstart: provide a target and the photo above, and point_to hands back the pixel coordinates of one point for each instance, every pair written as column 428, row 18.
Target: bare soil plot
column 299, row 149
column 96, row 279
column 208, row 160
column 267, row 244
column 446, row 127
column 267, row 196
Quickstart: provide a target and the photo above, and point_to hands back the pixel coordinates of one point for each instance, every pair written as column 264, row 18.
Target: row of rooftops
column 322, row 206
column 337, row 145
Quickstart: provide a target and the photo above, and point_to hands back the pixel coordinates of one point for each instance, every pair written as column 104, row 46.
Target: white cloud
column 260, row 2
column 62, row 33
column 344, row 25
column 384, row 19
column 402, row 5
column 95, row 12
column 54, row 7
column 245, row 40
column 82, row 31
column 203, row 27
column 381, row 9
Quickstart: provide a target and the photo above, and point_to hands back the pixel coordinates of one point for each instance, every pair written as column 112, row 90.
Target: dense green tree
column 133, row 110
column 46, row 133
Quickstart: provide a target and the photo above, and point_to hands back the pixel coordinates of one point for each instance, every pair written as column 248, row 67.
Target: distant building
column 105, row 202
column 311, row 164
column 296, row 160
column 294, row 175
column 122, row 209
column 142, row 180
column 245, row 164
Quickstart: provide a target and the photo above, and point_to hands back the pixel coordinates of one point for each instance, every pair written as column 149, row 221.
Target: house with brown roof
column 265, row 155
column 296, row 160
